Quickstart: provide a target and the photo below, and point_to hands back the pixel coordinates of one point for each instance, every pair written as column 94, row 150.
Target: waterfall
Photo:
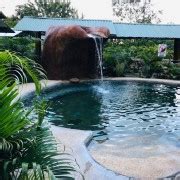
column 99, row 52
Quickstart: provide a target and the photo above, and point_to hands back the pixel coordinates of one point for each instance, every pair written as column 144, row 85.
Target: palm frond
column 44, row 158
column 18, row 68
column 26, row 151
column 12, row 116
column 40, row 107
column 48, row 153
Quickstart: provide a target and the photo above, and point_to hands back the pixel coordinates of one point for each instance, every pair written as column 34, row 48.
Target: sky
column 101, row 9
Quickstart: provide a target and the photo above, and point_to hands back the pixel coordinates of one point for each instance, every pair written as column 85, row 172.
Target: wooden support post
column 38, row 47
column 176, row 49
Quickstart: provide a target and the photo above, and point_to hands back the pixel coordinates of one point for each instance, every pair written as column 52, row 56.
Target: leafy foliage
column 11, row 113
column 138, row 58
column 16, row 68
column 120, row 68
column 40, row 108
column 27, row 151
column 22, row 45
column 175, row 71
column 39, row 158
column 44, row 8
column 11, row 21
column 116, row 60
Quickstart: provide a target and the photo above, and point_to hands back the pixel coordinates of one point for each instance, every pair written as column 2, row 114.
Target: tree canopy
column 136, row 12
column 45, row 8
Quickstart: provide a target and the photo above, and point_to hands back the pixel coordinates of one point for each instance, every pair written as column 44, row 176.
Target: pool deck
column 92, row 170
column 76, row 140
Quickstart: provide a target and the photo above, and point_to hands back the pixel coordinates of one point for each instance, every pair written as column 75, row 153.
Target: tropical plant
column 175, row 71
column 11, row 21
column 120, row 68
column 40, row 109
column 45, row 8
column 28, row 149
column 16, row 68
column 21, row 45
column 139, row 56
column 116, row 59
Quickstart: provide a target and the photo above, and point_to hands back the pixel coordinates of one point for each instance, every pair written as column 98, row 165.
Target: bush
column 120, row 69
column 114, row 57
column 175, row 71
column 20, row 45
column 136, row 57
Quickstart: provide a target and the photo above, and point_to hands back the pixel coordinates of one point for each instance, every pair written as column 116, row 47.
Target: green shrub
column 21, row 45
column 139, row 57
column 120, row 69
column 175, row 71
column 113, row 56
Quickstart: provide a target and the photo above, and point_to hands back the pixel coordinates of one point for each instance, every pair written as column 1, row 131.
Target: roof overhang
column 117, row 30
column 16, row 33
column 37, row 24
column 158, row 31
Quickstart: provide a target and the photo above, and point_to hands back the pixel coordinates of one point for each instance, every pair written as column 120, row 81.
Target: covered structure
column 7, row 34
column 117, row 30
column 152, row 31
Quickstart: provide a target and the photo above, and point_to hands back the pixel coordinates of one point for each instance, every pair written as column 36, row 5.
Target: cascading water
column 99, row 52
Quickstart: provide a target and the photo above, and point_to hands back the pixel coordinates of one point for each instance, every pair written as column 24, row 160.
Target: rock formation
column 69, row 52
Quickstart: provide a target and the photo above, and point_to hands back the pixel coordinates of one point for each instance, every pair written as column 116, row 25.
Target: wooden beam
column 176, row 49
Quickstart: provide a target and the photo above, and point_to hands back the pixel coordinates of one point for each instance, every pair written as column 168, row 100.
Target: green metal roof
column 42, row 24
column 147, row 30
column 120, row 30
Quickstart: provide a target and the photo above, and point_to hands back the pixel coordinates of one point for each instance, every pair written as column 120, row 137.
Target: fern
column 14, row 67
column 28, row 150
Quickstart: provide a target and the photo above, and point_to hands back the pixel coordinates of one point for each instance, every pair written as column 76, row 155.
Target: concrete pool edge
column 77, row 140
column 89, row 166
column 150, row 80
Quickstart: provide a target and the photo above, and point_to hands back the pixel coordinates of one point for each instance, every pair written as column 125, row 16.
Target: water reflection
column 117, row 110
column 78, row 109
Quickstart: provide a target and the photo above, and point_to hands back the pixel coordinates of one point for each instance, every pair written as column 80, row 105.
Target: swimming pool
column 129, row 119
column 117, row 108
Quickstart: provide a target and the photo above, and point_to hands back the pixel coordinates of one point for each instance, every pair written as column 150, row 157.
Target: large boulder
column 69, row 52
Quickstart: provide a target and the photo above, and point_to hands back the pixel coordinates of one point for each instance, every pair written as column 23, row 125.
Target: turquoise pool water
column 117, row 109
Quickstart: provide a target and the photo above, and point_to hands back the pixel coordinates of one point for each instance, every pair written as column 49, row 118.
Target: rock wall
column 69, row 52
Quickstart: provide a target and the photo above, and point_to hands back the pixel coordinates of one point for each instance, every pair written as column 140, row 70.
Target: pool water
column 116, row 111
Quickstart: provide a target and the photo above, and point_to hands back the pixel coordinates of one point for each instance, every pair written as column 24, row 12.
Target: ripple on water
column 116, row 110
